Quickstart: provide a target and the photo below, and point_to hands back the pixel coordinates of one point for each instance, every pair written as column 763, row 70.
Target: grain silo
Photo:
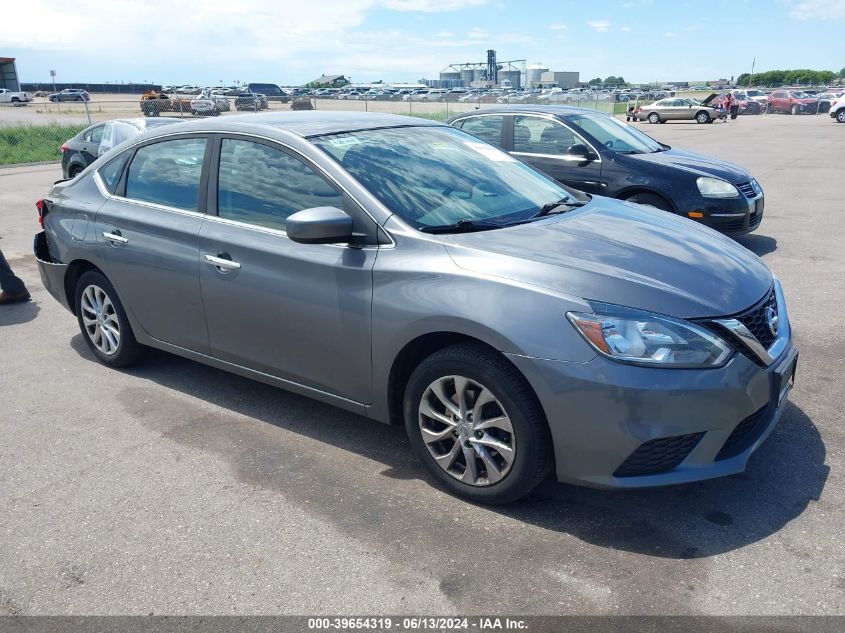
column 534, row 73
column 450, row 79
column 510, row 78
column 467, row 76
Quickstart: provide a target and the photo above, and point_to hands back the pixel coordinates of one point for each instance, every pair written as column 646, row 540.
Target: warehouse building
column 554, row 79
column 9, row 74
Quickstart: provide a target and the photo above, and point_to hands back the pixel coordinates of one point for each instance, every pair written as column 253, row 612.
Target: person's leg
column 10, row 284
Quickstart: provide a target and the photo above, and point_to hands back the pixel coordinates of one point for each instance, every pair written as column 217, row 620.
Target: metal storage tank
column 467, row 76
column 534, row 72
column 511, row 75
column 479, row 74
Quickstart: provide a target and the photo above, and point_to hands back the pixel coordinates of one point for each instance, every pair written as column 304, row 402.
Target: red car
column 792, row 101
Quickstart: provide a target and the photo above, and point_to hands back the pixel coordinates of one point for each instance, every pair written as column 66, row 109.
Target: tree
column 614, row 81
column 595, row 82
column 842, row 74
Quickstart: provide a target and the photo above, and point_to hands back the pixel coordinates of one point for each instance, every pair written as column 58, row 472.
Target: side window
column 536, row 135
column 487, row 128
column 110, row 172
column 262, row 185
column 94, row 135
column 167, row 173
column 123, row 132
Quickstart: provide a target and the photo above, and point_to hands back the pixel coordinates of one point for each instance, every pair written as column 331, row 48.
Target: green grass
column 34, row 143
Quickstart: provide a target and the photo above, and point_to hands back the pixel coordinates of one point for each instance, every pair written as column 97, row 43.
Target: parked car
column 677, row 109
column 826, row 99
column 249, row 101
column 837, row 109
column 154, row 103
column 207, row 104
column 792, row 102
column 70, row 94
column 14, row 97
column 517, row 328
column 600, row 155
column 746, row 104
column 271, row 91
column 83, row 149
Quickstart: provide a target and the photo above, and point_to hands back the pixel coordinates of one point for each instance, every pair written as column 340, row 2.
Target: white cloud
column 430, row 6
column 602, row 26
column 626, row 29
column 818, row 10
column 559, row 27
column 478, row 33
column 668, row 34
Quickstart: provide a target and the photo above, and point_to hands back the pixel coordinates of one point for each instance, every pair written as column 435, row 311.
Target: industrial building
column 9, row 74
column 512, row 73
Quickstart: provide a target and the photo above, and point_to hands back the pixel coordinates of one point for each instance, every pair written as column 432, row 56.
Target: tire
column 654, row 118
column 702, row 117
column 117, row 346
column 74, row 171
column 794, row 110
column 840, row 115
column 769, row 109
column 522, row 425
column 651, row 200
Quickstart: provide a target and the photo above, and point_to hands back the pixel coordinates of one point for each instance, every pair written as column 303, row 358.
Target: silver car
column 404, row 270
column 677, row 109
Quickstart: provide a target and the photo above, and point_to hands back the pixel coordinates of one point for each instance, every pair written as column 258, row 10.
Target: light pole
column 751, row 76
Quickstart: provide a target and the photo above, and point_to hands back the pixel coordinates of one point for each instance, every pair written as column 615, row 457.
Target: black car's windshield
column 440, row 176
column 614, row 134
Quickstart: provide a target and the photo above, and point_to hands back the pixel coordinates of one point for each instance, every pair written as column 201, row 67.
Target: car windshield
column 800, row 95
column 614, row 134
column 440, row 176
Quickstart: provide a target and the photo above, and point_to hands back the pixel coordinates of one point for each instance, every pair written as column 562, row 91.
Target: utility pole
column 751, row 76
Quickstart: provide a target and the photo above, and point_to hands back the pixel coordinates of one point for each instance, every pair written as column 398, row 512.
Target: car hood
column 695, row 164
column 621, row 253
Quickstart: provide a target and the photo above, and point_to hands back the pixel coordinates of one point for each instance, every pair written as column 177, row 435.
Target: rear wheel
column 103, row 321
column 702, row 117
column 840, row 116
column 650, row 200
column 477, row 425
column 74, row 171
column 654, row 118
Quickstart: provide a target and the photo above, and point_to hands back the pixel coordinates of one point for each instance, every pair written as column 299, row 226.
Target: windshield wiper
column 550, row 207
column 466, row 226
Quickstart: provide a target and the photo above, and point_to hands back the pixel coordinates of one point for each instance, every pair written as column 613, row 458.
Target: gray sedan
column 404, row 270
column 676, row 109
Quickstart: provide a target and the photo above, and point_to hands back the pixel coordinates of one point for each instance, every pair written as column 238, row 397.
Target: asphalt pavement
column 174, row 488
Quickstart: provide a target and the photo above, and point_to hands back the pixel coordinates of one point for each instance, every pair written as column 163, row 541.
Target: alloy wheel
column 467, row 430
column 100, row 320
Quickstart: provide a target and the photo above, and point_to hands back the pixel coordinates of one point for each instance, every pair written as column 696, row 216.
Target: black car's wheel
column 654, row 118
column 794, row 110
column 103, row 321
column 840, row 116
column 702, row 117
column 477, row 425
column 74, row 171
column 650, row 200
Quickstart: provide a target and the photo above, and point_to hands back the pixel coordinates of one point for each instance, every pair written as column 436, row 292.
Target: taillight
column 41, row 205
column 65, row 147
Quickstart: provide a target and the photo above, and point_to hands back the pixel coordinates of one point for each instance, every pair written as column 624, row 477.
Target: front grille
column 745, row 433
column 747, row 189
column 658, row 456
column 755, row 320
column 734, row 224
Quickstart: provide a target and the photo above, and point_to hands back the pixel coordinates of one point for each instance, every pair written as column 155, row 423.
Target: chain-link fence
column 35, row 131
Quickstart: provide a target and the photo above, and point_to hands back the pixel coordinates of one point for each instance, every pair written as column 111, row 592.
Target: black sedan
column 599, row 154
column 70, row 94
column 84, row 148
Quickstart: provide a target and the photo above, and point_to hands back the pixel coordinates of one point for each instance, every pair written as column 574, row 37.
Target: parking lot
column 174, row 488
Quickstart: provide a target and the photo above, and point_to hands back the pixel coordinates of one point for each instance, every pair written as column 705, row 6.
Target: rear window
column 111, row 171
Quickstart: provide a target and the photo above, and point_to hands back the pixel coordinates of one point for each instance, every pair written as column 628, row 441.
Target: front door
column 300, row 312
column 148, row 240
column 553, row 148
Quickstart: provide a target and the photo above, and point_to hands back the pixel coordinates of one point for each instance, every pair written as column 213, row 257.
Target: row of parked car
column 521, row 323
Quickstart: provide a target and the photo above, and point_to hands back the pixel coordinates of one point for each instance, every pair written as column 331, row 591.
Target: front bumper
column 735, row 216
column 621, row 426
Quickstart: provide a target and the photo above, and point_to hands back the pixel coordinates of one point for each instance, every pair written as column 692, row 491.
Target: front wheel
column 477, row 425
column 654, row 118
column 840, row 116
column 103, row 321
column 702, row 117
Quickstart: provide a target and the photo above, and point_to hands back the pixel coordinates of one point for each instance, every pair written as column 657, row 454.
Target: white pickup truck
column 14, row 98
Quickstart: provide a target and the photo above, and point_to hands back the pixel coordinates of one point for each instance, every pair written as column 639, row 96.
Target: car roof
column 304, row 123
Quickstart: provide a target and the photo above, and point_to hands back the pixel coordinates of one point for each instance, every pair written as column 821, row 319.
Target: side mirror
column 319, row 225
column 579, row 150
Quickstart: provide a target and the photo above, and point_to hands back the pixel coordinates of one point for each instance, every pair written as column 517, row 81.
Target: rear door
column 552, row 148
column 300, row 312
column 148, row 239
column 90, row 146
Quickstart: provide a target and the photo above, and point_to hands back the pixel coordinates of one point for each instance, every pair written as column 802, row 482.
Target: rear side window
column 94, row 135
column 167, row 173
column 263, row 185
column 487, row 128
column 541, row 136
column 111, row 171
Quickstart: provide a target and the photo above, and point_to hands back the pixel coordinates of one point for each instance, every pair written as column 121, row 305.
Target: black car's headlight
column 643, row 338
column 716, row 188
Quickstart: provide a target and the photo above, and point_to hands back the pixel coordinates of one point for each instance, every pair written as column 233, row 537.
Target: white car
column 14, row 97
column 837, row 109
column 208, row 104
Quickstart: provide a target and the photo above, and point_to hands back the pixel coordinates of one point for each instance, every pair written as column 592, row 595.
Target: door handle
column 222, row 263
column 115, row 238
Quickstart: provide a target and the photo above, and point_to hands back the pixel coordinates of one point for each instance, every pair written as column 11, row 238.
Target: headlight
column 644, row 338
column 716, row 188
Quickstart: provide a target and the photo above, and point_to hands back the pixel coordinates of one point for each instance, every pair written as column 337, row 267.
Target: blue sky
column 290, row 42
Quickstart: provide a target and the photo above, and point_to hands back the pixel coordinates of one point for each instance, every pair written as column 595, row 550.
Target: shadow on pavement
column 17, row 313
column 758, row 244
column 689, row 521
